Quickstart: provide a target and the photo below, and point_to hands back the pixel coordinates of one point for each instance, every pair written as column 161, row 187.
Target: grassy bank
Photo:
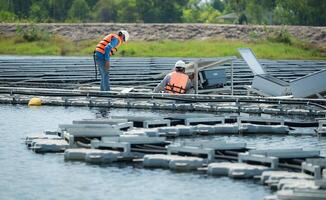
column 55, row 45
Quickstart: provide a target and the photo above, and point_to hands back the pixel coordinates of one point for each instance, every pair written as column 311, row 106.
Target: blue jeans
column 105, row 80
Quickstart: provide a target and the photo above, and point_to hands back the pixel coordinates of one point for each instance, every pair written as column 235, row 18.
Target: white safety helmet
column 180, row 64
column 126, row 35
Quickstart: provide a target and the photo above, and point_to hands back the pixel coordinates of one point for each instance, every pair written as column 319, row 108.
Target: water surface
column 26, row 175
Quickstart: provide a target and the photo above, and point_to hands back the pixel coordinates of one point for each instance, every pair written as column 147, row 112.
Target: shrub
column 32, row 33
column 64, row 44
column 253, row 35
column 6, row 16
column 280, row 36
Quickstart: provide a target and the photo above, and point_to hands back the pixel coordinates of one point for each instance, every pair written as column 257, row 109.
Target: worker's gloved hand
column 107, row 65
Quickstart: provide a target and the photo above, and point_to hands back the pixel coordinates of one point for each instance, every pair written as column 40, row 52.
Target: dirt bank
column 150, row 32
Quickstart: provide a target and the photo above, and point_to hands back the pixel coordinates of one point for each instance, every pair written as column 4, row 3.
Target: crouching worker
column 176, row 82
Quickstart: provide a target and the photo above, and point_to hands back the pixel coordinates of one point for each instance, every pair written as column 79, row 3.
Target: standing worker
column 106, row 48
column 176, row 82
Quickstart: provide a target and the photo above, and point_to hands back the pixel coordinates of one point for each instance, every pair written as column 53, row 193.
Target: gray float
column 307, row 194
column 272, row 178
column 49, row 145
column 235, row 170
column 173, row 162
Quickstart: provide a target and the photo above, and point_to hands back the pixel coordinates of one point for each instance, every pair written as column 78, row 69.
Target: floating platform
column 215, row 157
column 120, row 134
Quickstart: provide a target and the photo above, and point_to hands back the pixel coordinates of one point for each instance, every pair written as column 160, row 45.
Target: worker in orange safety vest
column 104, row 50
column 176, row 82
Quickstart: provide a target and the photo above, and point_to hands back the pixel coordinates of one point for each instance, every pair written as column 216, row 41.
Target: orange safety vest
column 100, row 47
column 177, row 84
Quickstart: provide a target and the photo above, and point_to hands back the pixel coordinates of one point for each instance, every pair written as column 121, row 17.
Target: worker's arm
column 189, row 87
column 114, row 42
column 161, row 86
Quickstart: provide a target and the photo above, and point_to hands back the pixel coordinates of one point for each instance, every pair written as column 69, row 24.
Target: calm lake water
column 26, row 175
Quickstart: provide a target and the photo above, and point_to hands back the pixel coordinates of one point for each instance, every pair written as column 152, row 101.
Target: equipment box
column 214, row 78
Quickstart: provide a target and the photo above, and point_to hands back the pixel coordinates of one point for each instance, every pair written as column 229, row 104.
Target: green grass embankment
column 56, row 45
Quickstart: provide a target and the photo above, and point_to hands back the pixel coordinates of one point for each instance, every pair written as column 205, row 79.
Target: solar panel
column 251, row 61
column 310, row 84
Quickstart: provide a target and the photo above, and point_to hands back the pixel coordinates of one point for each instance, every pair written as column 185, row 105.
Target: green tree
column 317, row 12
column 166, row 11
column 196, row 11
column 218, row 5
column 6, row 5
column 191, row 12
column 58, row 9
column 252, row 11
column 105, row 11
column 19, row 7
column 209, row 15
column 79, row 11
column 91, row 3
column 6, row 11
column 260, row 11
column 239, row 6
column 38, row 11
column 301, row 12
column 127, row 11
column 292, row 12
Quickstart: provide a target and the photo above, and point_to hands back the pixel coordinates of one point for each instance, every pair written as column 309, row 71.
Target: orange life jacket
column 100, row 47
column 177, row 84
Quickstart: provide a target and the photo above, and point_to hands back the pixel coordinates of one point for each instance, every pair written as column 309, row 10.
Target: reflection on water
column 102, row 113
column 25, row 175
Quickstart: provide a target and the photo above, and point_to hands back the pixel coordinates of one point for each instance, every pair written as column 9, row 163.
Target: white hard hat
column 126, row 34
column 180, row 64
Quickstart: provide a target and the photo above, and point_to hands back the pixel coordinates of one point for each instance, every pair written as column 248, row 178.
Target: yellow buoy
column 35, row 102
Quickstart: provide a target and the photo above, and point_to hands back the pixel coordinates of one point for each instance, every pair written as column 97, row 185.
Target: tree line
column 288, row 12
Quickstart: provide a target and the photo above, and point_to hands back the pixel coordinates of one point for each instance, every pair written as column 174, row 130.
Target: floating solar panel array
column 73, row 72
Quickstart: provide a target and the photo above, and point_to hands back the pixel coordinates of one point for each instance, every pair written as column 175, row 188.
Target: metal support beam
column 196, row 77
column 232, row 78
